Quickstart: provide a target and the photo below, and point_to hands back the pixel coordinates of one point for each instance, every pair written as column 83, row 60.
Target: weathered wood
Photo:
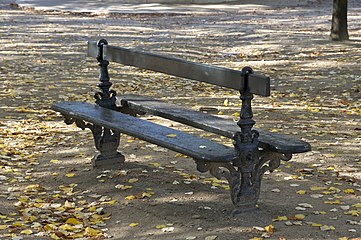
column 219, row 76
column 190, row 145
column 271, row 141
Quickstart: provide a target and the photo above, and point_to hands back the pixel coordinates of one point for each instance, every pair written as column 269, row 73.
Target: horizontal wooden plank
column 224, row 77
column 273, row 141
column 188, row 144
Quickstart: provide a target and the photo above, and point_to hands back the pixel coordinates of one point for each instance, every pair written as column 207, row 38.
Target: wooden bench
column 255, row 151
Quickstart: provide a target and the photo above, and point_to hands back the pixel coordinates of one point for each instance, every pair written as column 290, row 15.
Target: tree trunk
column 339, row 21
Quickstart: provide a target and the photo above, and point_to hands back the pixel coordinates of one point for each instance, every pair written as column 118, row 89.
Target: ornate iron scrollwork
column 244, row 181
column 106, row 142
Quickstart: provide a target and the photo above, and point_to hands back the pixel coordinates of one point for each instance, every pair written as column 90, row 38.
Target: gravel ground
column 315, row 97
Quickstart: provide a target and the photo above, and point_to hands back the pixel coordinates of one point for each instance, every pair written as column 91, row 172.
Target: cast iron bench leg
column 245, row 173
column 245, row 179
column 106, row 142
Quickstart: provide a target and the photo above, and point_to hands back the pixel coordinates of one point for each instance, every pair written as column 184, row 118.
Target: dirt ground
column 49, row 190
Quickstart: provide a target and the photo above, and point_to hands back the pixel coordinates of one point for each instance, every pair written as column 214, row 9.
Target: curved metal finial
column 102, row 42
column 244, row 73
column 100, row 45
column 246, row 70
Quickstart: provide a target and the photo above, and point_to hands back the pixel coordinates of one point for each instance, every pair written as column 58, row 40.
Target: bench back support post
column 106, row 97
column 106, row 140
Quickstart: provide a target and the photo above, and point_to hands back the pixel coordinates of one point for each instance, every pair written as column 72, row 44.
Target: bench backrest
column 224, row 77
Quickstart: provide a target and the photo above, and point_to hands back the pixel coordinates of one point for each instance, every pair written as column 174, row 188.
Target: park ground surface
column 49, row 190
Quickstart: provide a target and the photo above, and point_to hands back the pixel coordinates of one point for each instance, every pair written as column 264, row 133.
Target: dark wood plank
column 224, row 77
column 272, row 141
column 190, row 145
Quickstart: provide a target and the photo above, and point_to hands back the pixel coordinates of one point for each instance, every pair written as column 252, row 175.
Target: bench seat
column 178, row 141
column 274, row 142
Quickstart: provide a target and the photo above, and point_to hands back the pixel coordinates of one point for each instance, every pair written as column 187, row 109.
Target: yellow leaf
column 123, row 187
column 70, row 175
column 73, row 221
column 53, row 236
column 146, row 194
column 2, row 227
column 256, row 238
column 155, row 164
column 334, row 189
column 67, row 227
column 92, row 209
column 23, row 199
column 17, row 224
column 316, row 225
column 318, row 188
column 172, row 135
column 133, row 180
column 269, row 228
column 357, row 205
column 280, row 218
column 300, row 216
column 349, row 191
column 226, row 102
column 130, row 197
column 133, row 224
column 91, row 232
column 301, row 192
column 355, row 213
column 49, row 227
column 342, row 238
column 160, row 226
column 34, row 187
column 55, row 161
column 333, row 202
column 110, row 202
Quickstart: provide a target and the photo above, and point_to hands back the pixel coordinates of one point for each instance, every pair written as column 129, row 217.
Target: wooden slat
column 272, row 141
column 190, row 145
column 223, row 77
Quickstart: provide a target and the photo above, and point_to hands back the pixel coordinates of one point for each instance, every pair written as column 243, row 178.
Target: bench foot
column 106, row 142
column 245, row 179
column 104, row 161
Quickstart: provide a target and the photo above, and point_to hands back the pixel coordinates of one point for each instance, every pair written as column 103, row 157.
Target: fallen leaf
column 301, row 192
column 349, row 191
column 213, row 237
column 160, row 226
column 299, row 216
column 133, row 180
column 73, row 221
column 172, row 135
column 26, row 232
column 70, row 175
column 280, row 218
column 130, row 197
column 355, row 213
column 269, row 228
column 333, row 202
column 133, row 224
